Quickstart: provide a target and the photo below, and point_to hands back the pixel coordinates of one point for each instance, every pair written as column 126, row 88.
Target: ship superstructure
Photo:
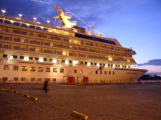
column 32, row 52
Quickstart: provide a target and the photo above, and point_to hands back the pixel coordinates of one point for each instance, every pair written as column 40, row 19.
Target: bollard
column 26, row 95
column 34, row 98
column 79, row 115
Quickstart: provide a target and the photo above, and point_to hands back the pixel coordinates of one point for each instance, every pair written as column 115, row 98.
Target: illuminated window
column 128, row 60
column 47, row 69
column 54, row 79
column 23, row 79
column 48, row 79
column 55, row 70
column 39, row 79
column 32, row 79
column 40, row 69
column 81, row 71
column 32, row 68
column 15, row 79
column 61, row 70
column 15, row 68
column 75, row 71
column 24, row 68
column 6, row 67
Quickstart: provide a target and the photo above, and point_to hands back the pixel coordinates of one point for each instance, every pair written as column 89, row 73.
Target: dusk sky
column 134, row 23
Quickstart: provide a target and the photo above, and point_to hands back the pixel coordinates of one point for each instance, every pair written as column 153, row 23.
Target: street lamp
column 48, row 22
column 20, row 15
column 3, row 12
column 35, row 19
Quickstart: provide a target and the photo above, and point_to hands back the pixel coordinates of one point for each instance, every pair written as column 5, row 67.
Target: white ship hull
column 113, row 75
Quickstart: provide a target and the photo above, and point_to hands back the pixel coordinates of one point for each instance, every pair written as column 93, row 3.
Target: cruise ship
column 31, row 52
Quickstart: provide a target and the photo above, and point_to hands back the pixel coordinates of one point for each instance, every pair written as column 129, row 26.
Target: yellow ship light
column 28, row 24
column 113, row 66
column 75, row 41
column 97, row 64
column 128, row 60
column 12, row 21
column 66, row 62
column 54, row 61
column 110, row 58
column 75, row 62
column 70, row 41
column 54, row 29
column 48, row 21
column 105, row 65
column 42, row 27
column 26, row 58
column 120, row 66
column 75, row 30
column 41, row 60
column 88, row 64
column 63, row 53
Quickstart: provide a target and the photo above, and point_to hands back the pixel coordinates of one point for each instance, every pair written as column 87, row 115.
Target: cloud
column 94, row 12
column 156, row 62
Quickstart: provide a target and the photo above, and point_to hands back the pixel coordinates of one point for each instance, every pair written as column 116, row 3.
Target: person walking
column 46, row 86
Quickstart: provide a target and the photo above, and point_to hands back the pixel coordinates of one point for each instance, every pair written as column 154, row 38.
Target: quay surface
column 105, row 102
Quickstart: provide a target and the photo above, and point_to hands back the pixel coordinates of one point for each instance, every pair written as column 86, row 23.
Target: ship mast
column 64, row 18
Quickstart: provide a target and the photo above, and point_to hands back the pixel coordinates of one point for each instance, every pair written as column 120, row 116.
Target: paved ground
column 105, row 102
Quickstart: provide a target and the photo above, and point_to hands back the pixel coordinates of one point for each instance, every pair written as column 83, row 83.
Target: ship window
column 48, row 79
column 100, row 72
column 54, row 79
column 95, row 63
column 63, row 61
column 5, row 78
column 91, row 63
column 32, row 68
column 100, row 64
column 39, row 79
column 61, row 70
column 96, row 71
column 50, row 60
column 81, row 71
column 109, row 72
column 47, row 69
column 70, row 61
column 15, row 68
column 45, row 59
column 105, row 72
column 129, row 66
column 86, row 63
column 108, row 64
column 15, row 78
column 30, row 58
column 103, row 64
column 24, row 68
column 81, row 62
column 118, row 65
column 115, row 65
column 36, row 58
column 15, row 56
column 23, row 79
column 55, row 70
column 6, row 67
column 75, row 71
column 113, row 72
column 4, row 55
column 40, row 69
column 21, row 57
column 32, row 79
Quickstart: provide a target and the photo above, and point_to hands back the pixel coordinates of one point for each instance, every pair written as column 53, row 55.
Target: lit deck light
column 88, row 64
column 3, row 11
column 40, row 60
column 48, row 21
column 28, row 24
column 66, row 62
column 12, row 21
column 35, row 19
column 20, row 15
column 120, row 66
column 26, row 58
column 106, row 65
column 54, row 29
column 97, row 64
column 11, row 57
column 75, row 30
column 54, row 61
column 42, row 27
